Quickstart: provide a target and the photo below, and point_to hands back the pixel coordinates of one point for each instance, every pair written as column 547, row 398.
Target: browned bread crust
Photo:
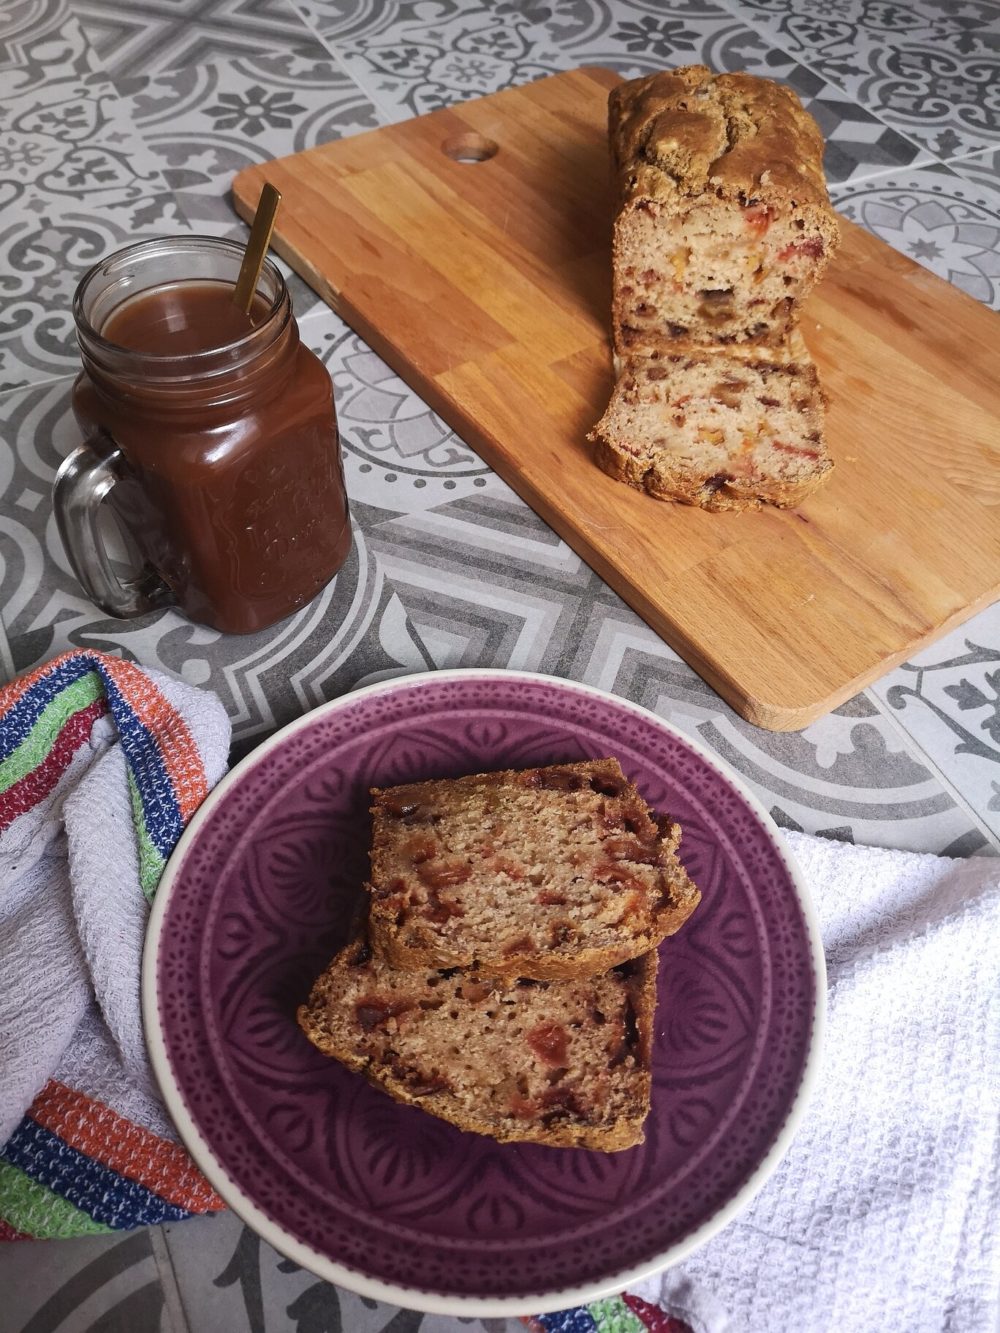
column 565, row 1063
column 544, row 873
column 681, row 132
column 723, row 223
column 716, row 430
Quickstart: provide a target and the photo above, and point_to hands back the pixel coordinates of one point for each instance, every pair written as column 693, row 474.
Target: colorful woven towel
column 627, row 1313
column 101, row 766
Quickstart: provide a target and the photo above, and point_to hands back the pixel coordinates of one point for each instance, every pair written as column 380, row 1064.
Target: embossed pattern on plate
column 260, row 899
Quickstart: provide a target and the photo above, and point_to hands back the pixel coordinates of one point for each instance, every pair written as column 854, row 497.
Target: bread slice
column 723, row 223
column 542, row 873
column 566, row 1063
column 716, row 429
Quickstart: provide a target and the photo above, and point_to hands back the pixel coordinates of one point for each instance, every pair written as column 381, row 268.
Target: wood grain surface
column 486, row 286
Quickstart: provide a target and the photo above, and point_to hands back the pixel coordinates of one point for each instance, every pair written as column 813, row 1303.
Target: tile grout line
column 915, row 748
column 956, row 164
column 884, row 172
column 953, row 165
column 777, row 45
column 342, row 65
column 38, row 384
column 172, row 1302
column 980, row 152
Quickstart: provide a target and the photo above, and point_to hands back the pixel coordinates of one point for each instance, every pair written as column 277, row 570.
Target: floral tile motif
column 399, row 456
column 47, row 242
column 72, row 139
column 935, row 215
column 204, row 123
column 341, row 21
column 155, row 35
column 76, row 181
column 932, row 70
column 438, row 54
column 41, row 41
column 948, row 700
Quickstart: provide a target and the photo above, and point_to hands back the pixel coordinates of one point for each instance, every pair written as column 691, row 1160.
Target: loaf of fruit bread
column 565, row 1063
column 717, row 430
column 543, row 873
column 723, row 224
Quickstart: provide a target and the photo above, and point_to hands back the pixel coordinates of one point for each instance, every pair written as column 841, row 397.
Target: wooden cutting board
column 486, row 286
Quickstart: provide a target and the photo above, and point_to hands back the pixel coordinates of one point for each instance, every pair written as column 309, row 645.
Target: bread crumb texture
column 542, row 873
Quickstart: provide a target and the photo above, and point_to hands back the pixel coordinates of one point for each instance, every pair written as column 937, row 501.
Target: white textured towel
column 72, row 913
column 884, row 1217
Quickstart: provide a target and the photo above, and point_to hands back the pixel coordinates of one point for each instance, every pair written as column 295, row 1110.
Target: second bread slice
column 545, row 873
column 565, row 1063
column 717, row 430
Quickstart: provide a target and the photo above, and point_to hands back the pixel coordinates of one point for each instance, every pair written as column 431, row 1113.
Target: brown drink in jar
column 217, row 433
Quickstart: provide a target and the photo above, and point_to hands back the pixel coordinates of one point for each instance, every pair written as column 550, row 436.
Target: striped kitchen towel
column 627, row 1313
column 101, row 766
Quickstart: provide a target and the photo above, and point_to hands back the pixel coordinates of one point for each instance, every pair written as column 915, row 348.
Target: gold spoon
column 260, row 239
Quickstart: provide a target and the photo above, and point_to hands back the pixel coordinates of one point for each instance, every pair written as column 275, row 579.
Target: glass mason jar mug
column 212, row 438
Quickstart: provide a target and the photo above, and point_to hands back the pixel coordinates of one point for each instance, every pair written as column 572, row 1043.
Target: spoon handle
column 260, row 239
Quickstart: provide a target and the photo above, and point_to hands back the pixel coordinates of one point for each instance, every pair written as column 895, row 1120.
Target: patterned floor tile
column 231, row 1279
column 41, row 41
column 98, row 1284
column 948, row 700
column 938, row 216
column 485, row 583
column 641, row 36
column 355, row 631
column 420, row 57
column 930, row 69
column 399, row 456
column 157, row 35
column 72, row 139
column 48, row 241
column 983, row 168
column 76, row 182
column 422, row 62
column 205, row 122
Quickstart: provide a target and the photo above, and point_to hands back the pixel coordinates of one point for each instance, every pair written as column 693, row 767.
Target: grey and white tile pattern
column 75, row 181
column 415, row 56
column 156, row 35
column 948, row 699
column 946, row 219
column 208, row 1275
column 432, row 55
column 984, row 168
column 42, row 43
column 205, row 122
column 121, row 121
column 930, row 68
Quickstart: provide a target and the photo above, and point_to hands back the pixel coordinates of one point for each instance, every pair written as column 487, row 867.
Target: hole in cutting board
column 470, row 147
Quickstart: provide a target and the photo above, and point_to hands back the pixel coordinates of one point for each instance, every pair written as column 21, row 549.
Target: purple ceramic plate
column 383, row 1198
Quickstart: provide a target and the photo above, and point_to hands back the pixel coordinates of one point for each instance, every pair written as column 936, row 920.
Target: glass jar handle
column 82, row 483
